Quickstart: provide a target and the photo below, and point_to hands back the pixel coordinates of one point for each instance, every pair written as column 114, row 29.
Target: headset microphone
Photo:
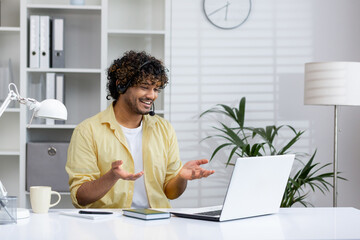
column 152, row 111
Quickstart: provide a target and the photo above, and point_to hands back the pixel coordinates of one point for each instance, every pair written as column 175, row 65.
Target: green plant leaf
column 241, row 112
column 229, row 111
column 230, row 156
column 290, row 143
column 233, row 136
column 218, row 149
column 255, row 150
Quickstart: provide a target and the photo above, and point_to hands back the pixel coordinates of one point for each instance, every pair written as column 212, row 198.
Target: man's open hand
column 119, row 172
column 192, row 170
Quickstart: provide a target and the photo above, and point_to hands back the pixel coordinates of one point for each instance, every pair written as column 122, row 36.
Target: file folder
column 50, row 92
column 58, row 53
column 34, row 48
column 60, row 92
column 59, row 89
column 44, row 41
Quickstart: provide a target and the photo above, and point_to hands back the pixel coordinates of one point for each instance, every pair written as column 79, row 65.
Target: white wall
column 262, row 60
column 337, row 37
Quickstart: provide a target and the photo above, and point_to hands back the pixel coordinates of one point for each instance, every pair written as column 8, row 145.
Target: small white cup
column 40, row 197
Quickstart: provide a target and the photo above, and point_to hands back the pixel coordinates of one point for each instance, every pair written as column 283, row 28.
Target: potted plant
column 244, row 141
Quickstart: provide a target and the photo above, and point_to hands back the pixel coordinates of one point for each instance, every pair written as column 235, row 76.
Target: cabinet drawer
column 45, row 165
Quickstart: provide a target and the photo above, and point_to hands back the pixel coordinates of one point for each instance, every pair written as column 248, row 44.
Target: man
column 122, row 157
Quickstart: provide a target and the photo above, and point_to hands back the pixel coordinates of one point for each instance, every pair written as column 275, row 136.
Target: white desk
column 293, row 223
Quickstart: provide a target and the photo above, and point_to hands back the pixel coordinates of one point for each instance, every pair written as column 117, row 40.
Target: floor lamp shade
column 332, row 83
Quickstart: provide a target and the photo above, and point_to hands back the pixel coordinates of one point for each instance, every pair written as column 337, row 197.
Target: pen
column 93, row 212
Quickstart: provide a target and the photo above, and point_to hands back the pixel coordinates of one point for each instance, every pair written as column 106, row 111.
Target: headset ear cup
column 121, row 89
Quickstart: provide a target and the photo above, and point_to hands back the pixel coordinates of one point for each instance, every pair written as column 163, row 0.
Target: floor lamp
column 334, row 84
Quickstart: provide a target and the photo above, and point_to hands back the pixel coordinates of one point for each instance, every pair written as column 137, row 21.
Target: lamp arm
column 14, row 95
column 11, row 96
column 32, row 104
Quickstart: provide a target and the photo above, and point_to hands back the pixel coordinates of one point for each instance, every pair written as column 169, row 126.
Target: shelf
column 9, row 29
column 55, row 126
column 65, row 70
column 115, row 32
column 64, row 7
column 9, row 153
column 12, row 110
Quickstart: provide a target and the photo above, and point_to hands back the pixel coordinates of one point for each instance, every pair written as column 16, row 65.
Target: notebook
column 256, row 188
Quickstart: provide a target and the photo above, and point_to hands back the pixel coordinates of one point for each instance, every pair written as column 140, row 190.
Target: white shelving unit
column 10, row 120
column 95, row 34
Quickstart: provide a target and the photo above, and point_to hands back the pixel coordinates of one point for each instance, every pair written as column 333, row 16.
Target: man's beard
column 134, row 107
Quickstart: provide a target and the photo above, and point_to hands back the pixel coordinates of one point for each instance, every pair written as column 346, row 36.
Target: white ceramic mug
column 40, row 197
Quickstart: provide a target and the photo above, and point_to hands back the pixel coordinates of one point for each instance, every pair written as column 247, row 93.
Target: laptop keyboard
column 210, row 213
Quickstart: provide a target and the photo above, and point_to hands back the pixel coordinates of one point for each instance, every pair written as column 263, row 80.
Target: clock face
column 227, row 14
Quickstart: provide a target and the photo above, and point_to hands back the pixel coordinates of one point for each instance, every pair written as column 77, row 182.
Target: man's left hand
column 192, row 170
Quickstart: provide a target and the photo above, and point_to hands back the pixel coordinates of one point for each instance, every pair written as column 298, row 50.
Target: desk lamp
column 335, row 84
column 49, row 108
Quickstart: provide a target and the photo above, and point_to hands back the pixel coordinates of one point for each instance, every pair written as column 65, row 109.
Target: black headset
column 122, row 88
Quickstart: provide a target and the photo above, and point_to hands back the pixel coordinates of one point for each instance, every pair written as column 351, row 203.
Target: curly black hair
column 132, row 69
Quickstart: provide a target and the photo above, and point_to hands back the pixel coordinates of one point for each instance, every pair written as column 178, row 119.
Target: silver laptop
column 256, row 188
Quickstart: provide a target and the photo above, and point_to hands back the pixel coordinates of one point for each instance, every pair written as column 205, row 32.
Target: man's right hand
column 119, row 172
column 92, row 191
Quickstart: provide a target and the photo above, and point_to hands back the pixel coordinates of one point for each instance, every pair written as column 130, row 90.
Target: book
column 146, row 213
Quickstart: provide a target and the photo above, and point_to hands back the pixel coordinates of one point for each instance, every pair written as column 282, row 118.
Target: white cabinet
column 95, row 34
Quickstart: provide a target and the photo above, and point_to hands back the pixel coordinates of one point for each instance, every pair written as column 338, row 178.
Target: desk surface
column 292, row 223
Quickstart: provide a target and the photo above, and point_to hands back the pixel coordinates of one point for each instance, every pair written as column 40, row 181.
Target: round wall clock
column 227, row 14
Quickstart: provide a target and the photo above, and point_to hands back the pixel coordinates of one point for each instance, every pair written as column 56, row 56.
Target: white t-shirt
column 134, row 140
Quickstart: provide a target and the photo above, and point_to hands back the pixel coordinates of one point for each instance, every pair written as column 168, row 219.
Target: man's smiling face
column 140, row 98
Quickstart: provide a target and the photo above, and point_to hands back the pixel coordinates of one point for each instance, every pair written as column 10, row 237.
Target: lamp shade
column 51, row 108
column 332, row 83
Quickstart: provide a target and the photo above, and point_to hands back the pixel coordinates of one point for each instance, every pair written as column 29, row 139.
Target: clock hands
column 225, row 6
column 226, row 12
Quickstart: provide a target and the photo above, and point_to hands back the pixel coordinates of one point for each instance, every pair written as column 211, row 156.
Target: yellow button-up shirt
column 99, row 140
